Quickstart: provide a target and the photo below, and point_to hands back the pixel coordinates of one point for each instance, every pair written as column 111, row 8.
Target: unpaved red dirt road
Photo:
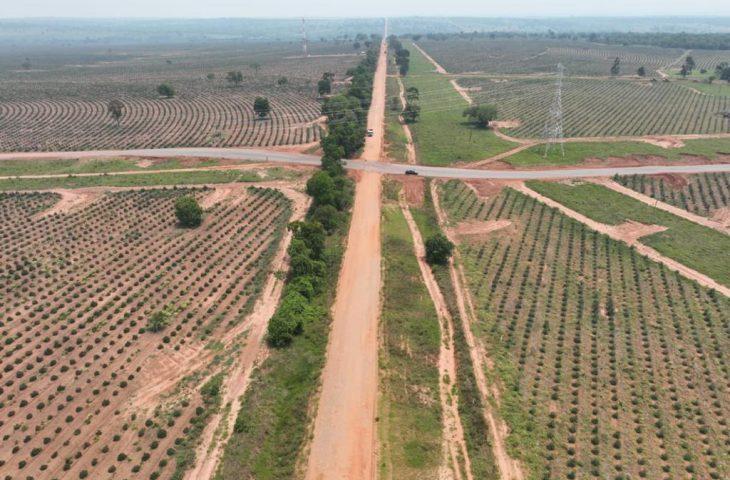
column 344, row 438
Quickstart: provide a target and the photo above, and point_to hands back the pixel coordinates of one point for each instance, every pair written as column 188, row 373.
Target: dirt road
column 454, row 444
column 410, row 148
column 436, row 65
column 344, row 437
column 617, row 232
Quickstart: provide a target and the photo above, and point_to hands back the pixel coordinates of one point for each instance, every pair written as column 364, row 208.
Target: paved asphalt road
column 373, row 166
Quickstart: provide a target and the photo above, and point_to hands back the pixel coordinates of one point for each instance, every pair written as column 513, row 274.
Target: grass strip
column 410, row 412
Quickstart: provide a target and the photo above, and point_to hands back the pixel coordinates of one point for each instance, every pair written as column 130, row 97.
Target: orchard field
column 88, row 389
column 613, row 366
column 56, row 99
column 604, row 107
column 704, row 194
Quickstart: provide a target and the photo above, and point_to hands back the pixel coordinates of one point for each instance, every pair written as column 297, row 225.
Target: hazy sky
column 343, row 8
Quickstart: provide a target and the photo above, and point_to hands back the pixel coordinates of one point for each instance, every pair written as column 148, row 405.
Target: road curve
column 272, row 156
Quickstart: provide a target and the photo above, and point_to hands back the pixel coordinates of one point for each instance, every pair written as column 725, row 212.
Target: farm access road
column 367, row 165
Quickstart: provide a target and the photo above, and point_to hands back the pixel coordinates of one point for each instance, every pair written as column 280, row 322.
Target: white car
column 371, row 132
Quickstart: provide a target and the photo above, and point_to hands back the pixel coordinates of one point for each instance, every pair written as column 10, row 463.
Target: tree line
column 699, row 41
column 331, row 193
column 402, row 55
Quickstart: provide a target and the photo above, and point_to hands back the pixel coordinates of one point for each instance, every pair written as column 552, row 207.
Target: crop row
column 81, row 376
column 223, row 118
column 703, row 194
column 606, row 107
column 622, row 366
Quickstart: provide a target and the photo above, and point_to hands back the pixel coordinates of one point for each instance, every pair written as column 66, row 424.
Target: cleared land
column 87, row 388
column 613, row 365
column 60, row 103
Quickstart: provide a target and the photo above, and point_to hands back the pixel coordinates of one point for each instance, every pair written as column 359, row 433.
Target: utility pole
column 553, row 133
column 305, row 41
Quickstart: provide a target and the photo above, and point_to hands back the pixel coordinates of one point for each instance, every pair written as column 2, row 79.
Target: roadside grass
column 717, row 88
column 272, row 424
column 576, row 153
column 143, row 179
column 695, row 246
column 410, row 412
column 441, row 135
column 96, row 165
column 395, row 138
column 476, row 431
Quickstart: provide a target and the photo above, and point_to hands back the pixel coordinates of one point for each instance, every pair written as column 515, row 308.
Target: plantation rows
column 219, row 118
column 702, row 194
column 80, row 373
column 605, row 107
column 622, row 366
column 522, row 56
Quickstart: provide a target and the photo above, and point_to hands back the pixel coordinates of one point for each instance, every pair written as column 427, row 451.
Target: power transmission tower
column 553, row 133
column 305, row 41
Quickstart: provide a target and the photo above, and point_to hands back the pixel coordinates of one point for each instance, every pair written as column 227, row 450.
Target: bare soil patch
column 507, row 123
column 413, row 188
column 71, row 201
column 631, row 231
column 664, row 142
column 476, row 227
column 722, row 216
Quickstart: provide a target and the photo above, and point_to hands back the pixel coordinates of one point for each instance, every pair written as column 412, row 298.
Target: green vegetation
column 395, row 137
column 481, row 115
column 166, row 90
column 695, row 246
column 146, row 179
column 441, row 135
column 576, row 153
column 410, row 416
column 158, row 321
column 584, row 333
column 188, row 211
column 476, row 431
column 261, row 107
column 97, row 165
column 438, row 249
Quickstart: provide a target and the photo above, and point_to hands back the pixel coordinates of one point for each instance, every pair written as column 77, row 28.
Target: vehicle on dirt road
column 411, row 172
column 371, row 132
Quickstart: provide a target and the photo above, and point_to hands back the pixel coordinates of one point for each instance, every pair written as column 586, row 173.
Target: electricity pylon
column 305, row 41
column 553, row 133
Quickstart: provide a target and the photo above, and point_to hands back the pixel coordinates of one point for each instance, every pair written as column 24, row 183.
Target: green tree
column 188, row 212
column 166, row 90
column 261, row 107
column 438, row 249
column 684, row 71
column 324, row 87
column 481, row 115
column 321, row 187
column 235, row 78
column 328, row 216
column 116, row 110
column 412, row 94
column 616, row 67
column 641, row 71
column 411, row 112
column 282, row 81
column 312, row 234
column 690, row 62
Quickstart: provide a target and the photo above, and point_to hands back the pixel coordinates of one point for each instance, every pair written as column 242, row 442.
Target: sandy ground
column 509, row 468
column 219, row 428
column 475, row 227
column 344, row 437
column 454, row 446
column 619, row 233
column 462, row 91
column 410, row 148
column 680, row 212
column 71, row 200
